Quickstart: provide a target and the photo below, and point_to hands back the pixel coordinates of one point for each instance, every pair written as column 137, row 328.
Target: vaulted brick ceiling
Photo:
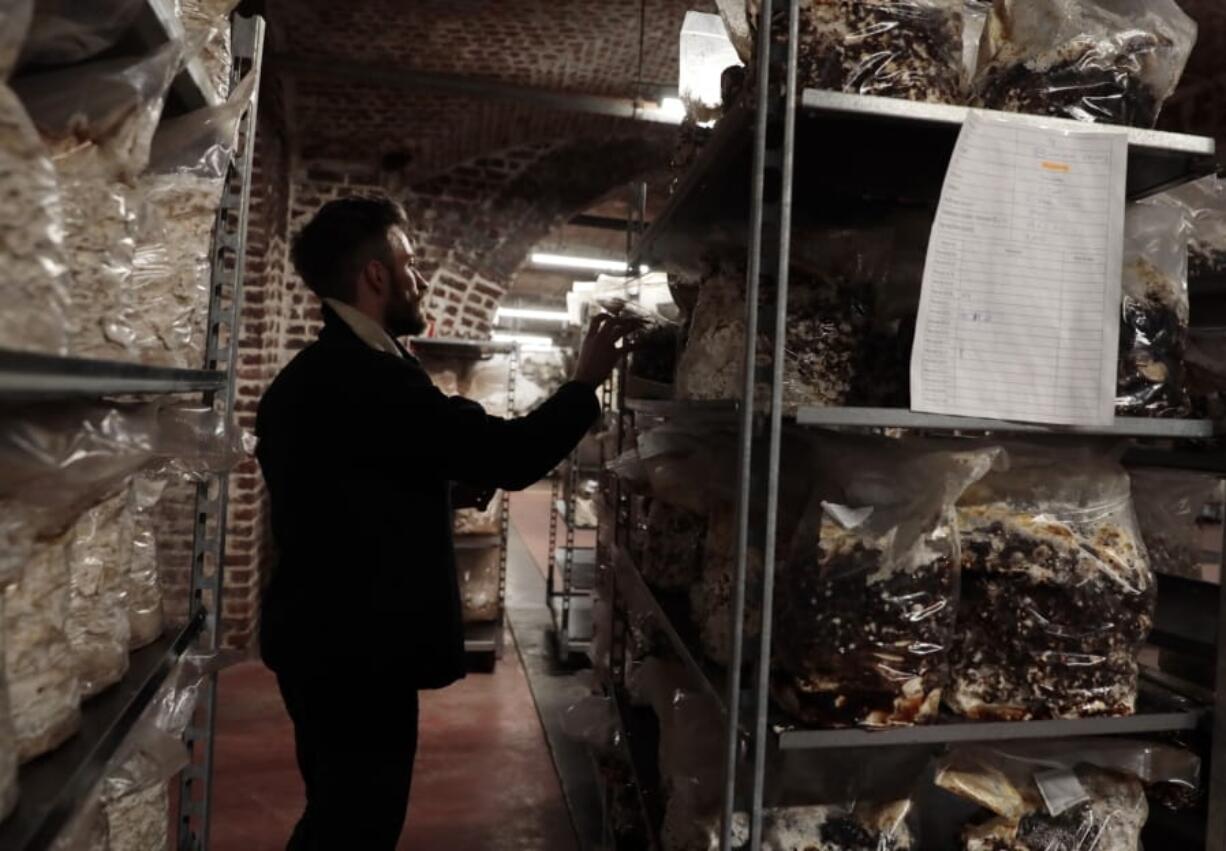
column 588, row 47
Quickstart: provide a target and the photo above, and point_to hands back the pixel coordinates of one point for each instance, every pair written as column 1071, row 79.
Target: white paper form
column 1019, row 314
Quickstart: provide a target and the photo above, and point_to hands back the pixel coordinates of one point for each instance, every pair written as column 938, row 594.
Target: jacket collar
column 362, row 327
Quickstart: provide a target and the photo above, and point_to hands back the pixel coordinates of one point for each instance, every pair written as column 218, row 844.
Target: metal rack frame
column 54, row 785
column 483, row 637
column 769, row 127
column 561, row 602
column 213, row 494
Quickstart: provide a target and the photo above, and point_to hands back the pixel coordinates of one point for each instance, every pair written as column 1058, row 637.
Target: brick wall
column 475, row 224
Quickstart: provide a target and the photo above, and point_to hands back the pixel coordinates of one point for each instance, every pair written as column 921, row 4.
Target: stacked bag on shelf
column 1108, row 61
column 1005, row 581
column 34, row 289
column 111, row 231
column 852, row 304
column 1077, row 795
column 81, row 588
column 127, row 809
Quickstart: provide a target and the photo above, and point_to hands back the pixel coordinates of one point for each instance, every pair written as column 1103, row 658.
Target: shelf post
column 212, row 495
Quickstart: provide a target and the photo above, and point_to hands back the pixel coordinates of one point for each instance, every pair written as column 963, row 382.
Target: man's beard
column 410, row 324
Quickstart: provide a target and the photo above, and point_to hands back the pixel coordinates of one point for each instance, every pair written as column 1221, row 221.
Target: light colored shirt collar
column 368, row 330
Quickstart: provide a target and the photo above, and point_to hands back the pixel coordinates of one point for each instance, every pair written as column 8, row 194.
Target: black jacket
column 358, row 449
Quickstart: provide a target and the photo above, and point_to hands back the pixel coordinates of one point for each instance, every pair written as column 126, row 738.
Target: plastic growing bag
column 43, row 686
column 65, row 32
column 179, row 199
column 829, row 321
column 1070, row 795
column 893, row 48
column 99, row 557
column 1057, row 593
column 98, row 120
column 866, row 603
column 1175, row 513
column 144, row 591
column 34, row 288
column 209, row 21
column 844, row 802
column 1204, row 201
column 8, row 737
column 1154, row 318
column 1113, row 61
column 478, row 569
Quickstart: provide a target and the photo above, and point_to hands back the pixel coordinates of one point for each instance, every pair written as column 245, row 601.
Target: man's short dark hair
column 344, row 235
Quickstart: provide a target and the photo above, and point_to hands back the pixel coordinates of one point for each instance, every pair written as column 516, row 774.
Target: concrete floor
column 484, row 780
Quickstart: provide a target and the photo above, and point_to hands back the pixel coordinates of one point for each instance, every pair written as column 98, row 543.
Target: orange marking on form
column 1063, row 168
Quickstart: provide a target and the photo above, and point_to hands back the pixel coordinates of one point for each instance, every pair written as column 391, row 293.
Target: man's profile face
column 405, row 311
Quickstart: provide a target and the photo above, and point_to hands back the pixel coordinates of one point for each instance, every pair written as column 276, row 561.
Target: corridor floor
column 484, row 779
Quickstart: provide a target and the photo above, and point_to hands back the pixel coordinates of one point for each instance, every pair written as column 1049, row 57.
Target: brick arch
column 475, row 234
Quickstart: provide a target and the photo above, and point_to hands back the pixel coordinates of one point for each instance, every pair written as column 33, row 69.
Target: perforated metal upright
column 212, row 494
column 504, row 515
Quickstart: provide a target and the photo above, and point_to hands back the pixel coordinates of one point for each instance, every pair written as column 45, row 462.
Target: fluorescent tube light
column 565, row 261
column 531, row 342
column 531, row 313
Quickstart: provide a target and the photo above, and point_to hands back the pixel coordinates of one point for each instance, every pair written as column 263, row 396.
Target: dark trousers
column 356, row 736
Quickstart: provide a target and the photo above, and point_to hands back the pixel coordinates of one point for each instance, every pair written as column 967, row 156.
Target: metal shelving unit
column 212, row 495
column 25, row 376
column 571, row 604
column 902, row 418
column 484, row 638
column 712, row 202
column 745, row 190
column 53, row 785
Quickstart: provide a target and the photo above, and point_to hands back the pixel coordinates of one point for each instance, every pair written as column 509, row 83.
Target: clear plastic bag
column 829, row 323
column 15, row 17
column 893, row 48
column 843, row 802
column 114, row 104
column 713, row 361
column 98, row 120
column 1204, row 203
column 478, row 569
column 1174, row 510
column 179, row 196
column 866, row 604
column 672, row 539
column 35, row 286
column 144, row 595
column 1072, row 795
column 592, row 720
column 1057, row 593
column 1112, row 61
column 43, row 684
column 480, row 521
column 1154, row 317
column 65, row 32
column 908, row 49
column 60, row 459
column 99, row 556
column 209, row 21
column 8, row 735
column 135, row 788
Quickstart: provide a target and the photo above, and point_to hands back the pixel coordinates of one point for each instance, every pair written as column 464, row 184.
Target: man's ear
column 375, row 277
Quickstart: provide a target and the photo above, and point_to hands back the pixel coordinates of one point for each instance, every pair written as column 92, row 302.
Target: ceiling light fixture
column 527, row 342
column 531, row 313
column 566, row 261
